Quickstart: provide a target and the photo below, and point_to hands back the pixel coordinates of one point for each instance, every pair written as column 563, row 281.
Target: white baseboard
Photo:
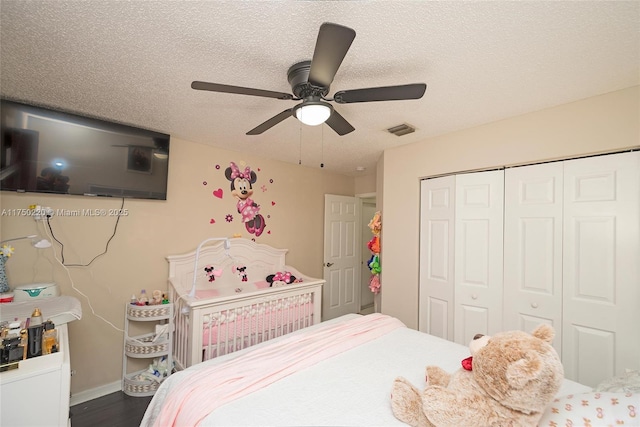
column 94, row 393
column 367, row 310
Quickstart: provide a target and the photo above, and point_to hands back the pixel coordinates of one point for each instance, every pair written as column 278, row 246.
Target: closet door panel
column 478, row 254
column 601, row 266
column 435, row 314
column 438, row 313
column 473, row 318
column 593, row 346
column 533, row 248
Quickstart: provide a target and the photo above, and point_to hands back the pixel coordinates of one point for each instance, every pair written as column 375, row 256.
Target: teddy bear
column 509, row 380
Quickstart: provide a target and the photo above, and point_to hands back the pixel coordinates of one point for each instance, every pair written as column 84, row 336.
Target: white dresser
column 37, row 393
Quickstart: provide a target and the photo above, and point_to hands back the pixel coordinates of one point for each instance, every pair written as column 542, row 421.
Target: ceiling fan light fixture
column 313, row 113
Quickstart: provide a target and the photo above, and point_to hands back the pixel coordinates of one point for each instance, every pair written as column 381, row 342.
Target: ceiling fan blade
column 386, row 93
column 271, row 122
column 339, row 124
column 215, row 87
column 331, row 47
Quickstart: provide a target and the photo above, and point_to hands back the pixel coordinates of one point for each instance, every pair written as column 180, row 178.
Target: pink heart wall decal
column 218, row 193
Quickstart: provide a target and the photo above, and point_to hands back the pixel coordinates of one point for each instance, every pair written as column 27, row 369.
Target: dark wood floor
column 113, row 410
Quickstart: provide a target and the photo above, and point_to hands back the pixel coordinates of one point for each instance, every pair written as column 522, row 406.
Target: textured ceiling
column 133, row 62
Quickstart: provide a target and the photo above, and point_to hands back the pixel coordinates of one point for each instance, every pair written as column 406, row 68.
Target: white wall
column 603, row 123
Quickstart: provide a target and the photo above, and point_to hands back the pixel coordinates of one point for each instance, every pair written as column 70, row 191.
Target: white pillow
column 629, row 381
column 593, row 409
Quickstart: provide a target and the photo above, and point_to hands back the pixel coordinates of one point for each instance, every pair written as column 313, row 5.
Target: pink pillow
column 261, row 285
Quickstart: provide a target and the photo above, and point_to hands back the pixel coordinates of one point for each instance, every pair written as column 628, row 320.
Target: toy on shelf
column 157, row 297
column 374, row 246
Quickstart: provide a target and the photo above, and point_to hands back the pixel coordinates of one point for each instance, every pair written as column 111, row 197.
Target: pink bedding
column 251, row 326
column 225, row 382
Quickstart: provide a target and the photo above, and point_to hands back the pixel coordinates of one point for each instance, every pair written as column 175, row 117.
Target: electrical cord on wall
column 115, row 228
column 66, row 266
column 73, row 286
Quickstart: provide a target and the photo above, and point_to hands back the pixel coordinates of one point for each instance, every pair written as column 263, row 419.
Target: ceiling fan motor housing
column 298, row 76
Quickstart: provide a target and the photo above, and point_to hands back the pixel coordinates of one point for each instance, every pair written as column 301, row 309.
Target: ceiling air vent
column 402, row 129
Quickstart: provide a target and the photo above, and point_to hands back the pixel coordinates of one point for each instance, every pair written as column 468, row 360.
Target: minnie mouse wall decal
column 241, row 188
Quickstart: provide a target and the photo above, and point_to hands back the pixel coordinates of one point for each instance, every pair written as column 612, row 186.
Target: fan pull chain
column 322, row 147
column 300, row 154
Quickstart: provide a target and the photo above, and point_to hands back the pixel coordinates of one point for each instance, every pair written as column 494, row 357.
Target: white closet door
column 437, row 214
column 601, row 267
column 533, row 248
column 478, row 254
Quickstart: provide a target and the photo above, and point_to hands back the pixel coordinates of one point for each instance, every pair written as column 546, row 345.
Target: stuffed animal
column 212, row 273
column 513, row 376
column 281, row 279
column 376, row 224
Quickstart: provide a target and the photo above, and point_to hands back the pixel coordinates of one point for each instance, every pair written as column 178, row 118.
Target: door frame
column 363, row 239
column 360, row 242
column 341, row 267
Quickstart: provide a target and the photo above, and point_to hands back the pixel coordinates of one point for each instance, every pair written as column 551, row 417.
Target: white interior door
column 341, row 292
column 601, row 283
column 437, row 226
column 533, row 248
column 478, row 254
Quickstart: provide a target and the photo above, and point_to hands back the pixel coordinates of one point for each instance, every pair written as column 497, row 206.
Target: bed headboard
column 260, row 260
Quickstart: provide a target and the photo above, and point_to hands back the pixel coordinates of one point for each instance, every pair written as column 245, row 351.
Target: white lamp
column 36, row 241
column 6, row 251
column 313, row 113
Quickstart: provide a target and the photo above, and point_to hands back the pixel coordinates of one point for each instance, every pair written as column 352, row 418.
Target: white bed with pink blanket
column 336, row 373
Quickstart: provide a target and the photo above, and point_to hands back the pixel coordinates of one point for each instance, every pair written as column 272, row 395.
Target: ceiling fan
column 310, row 81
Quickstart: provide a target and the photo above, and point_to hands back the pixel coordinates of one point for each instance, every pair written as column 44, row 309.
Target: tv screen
column 47, row 151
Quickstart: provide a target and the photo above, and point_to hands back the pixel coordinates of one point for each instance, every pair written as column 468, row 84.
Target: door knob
column 534, row 305
column 329, row 264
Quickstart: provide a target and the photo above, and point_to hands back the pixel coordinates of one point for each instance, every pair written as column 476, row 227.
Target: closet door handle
column 534, row 305
column 329, row 264
column 474, row 296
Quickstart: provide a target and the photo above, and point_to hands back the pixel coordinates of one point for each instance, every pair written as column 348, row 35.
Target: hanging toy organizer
column 234, row 293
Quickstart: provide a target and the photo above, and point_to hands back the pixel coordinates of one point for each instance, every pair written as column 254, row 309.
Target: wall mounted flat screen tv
column 47, row 151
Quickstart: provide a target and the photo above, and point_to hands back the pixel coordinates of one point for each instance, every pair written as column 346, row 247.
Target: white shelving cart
column 153, row 345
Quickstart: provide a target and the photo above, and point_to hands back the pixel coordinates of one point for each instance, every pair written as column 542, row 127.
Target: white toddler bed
column 347, row 386
column 233, row 305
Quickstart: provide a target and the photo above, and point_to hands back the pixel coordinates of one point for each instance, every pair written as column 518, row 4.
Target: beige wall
column 604, row 123
column 154, row 229
column 377, row 300
column 365, row 184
